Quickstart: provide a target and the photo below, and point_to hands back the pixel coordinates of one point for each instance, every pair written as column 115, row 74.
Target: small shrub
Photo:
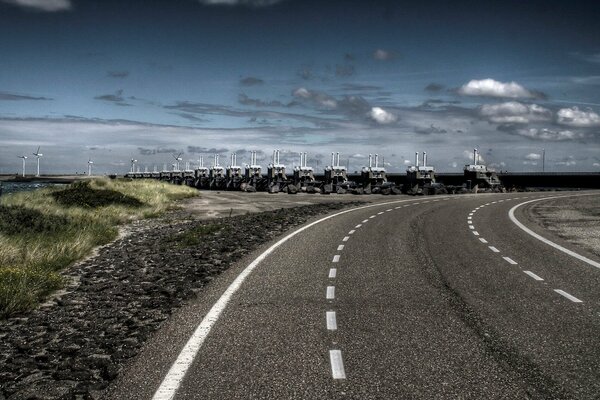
column 80, row 194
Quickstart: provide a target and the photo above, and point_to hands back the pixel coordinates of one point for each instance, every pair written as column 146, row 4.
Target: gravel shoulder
column 575, row 220
column 78, row 342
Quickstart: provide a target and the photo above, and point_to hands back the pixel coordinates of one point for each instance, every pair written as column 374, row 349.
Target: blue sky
column 111, row 80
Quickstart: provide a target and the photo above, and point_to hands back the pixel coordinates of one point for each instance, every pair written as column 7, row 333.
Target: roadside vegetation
column 42, row 232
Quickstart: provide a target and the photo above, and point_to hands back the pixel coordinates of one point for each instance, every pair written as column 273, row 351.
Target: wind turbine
column 23, row 157
column 38, row 155
column 133, row 161
column 90, row 162
column 177, row 159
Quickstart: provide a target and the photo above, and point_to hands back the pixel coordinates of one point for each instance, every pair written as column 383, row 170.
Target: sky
column 112, row 80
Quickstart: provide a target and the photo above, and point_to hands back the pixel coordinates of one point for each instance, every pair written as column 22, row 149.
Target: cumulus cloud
column 492, row 88
column 546, row 134
column 322, row 100
column 468, row 154
column 533, row 156
column 382, row 116
column 248, row 3
column 566, row 161
column 513, row 112
column 596, row 164
column 42, row 5
column 384, row 55
column 578, row 118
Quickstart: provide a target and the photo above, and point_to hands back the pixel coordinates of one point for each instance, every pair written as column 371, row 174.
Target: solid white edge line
column 534, row 276
column 336, row 258
column 331, row 321
column 337, row 365
column 332, row 273
column 180, row 366
column 568, row 296
column 511, row 215
column 330, row 294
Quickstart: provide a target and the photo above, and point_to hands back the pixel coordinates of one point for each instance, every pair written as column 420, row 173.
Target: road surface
column 420, row 298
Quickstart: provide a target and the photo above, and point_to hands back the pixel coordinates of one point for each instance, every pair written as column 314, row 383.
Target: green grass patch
column 44, row 231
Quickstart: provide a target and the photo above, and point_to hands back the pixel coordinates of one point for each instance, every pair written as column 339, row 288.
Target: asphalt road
column 410, row 300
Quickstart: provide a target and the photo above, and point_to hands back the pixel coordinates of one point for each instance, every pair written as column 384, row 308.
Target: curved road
column 430, row 297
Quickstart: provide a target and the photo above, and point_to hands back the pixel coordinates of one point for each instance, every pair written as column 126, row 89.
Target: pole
column 543, row 160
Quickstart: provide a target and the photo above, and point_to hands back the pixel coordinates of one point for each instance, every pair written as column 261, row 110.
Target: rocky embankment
column 74, row 345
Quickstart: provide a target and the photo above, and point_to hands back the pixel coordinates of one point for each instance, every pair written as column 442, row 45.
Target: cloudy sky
column 113, row 80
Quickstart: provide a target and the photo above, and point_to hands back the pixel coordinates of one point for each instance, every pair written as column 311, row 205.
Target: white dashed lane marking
column 345, row 239
column 510, row 260
column 379, row 213
column 336, row 258
column 357, row 226
column 330, row 294
column 568, row 296
column 340, row 247
column 534, row 276
column 482, row 240
column 471, row 227
column 372, row 216
column 365, row 221
column 337, row 365
column 332, row 273
column 331, row 321
column 495, row 250
column 475, row 233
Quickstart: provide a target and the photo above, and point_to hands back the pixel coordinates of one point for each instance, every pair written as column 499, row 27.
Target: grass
column 44, row 231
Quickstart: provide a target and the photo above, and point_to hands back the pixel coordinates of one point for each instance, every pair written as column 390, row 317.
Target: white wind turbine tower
column 133, row 161
column 90, row 162
column 177, row 159
column 23, row 157
column 38, row 155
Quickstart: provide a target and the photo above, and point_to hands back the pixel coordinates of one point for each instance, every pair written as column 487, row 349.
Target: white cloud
column 530, row 163
column 383, row 55
column 468, row 154
column 492, row 88
column 576, row 117
column 407, row 162
column 596, row 164
column 320, row 99
column 533, row 156
column 513, row 112
column 548, row 134
column 382, row 116
column 251, row 3
column 42, row 5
